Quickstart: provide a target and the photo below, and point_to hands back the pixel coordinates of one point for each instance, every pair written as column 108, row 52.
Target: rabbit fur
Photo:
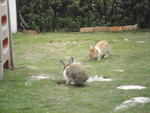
column 74, row 72
column 101, row 49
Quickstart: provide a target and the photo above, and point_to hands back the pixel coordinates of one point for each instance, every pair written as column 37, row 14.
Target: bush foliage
column 70, row 15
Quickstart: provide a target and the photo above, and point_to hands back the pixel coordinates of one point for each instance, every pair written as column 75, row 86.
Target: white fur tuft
column 65, row 75
column 98, row 49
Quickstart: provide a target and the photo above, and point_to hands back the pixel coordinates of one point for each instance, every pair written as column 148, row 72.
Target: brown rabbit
column 74, row 72
column 101, row 49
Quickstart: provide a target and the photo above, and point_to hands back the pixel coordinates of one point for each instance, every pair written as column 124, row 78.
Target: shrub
column 70, row 15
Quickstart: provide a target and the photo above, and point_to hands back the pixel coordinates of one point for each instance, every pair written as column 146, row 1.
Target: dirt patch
column 61, row 82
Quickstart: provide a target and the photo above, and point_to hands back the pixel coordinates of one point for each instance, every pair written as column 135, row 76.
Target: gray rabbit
column 74, row 72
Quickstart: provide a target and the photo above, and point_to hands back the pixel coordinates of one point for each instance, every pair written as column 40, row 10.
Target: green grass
column 44, row 52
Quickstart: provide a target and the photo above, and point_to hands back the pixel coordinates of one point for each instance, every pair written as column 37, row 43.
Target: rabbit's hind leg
column 106, row 55
column 99, row 58
column 68, row 81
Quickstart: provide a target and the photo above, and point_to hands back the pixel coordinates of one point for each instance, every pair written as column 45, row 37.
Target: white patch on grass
column 35, row 78
column 119, row 70
column 131, row 87
column 126, row 39
column 87, row 65
column 39, row 77
column 28, row 83
column 142, row 41
column 32, row 67
column 96, row 78
column 78, row 63
column 133, row 102
column 67, row 57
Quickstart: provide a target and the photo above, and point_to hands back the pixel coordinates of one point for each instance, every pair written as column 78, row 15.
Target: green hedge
column 70, row 15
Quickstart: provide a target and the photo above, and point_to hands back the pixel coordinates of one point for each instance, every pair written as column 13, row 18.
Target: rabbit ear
column 62, row 62
column 91, row 46
column 71, row 60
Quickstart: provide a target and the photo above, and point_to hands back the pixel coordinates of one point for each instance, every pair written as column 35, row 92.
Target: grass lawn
column 42, row 53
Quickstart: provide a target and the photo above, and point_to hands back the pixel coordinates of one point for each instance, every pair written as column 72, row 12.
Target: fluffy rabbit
column 74, row 72
column 101, row 49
